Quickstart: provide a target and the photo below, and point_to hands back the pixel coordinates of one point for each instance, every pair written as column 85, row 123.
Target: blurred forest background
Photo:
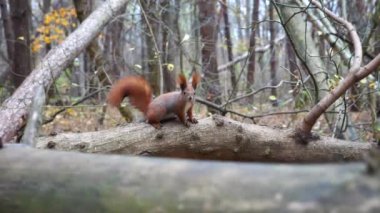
column 253, row 70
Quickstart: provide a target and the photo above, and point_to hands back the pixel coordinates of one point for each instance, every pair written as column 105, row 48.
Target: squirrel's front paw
column 193, row 120
column 156, row 125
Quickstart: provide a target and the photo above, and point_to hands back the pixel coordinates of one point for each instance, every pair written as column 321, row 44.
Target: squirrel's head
column 188, row 90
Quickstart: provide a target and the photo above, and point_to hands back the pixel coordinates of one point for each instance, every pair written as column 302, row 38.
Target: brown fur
column 140, row 95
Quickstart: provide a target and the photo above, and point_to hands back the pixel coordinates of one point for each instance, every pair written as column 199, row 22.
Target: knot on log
column 218, row 120
column 302, row 137
column 50, row 145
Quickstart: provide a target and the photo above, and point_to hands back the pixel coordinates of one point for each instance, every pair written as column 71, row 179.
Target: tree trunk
column 114, row 47
column 208, row 23
column 252, row 44
column 228, row 40
column 304, row 46
column 168, row 44
column 14, row 110
column 9, row 37
column 292, row 63
column 151, row 27
column 20, row 14
column 238, row 20
column 231, row 140
column 98, row 63
column 45, row 181
column 273, row 58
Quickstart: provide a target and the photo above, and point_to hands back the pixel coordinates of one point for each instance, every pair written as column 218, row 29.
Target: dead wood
column 33, row 180
column 216, row 137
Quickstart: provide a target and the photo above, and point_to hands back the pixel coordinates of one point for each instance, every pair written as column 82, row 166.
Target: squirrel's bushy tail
column 136, row 88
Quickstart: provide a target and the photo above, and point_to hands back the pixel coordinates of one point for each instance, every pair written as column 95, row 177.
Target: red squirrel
column 139, row 92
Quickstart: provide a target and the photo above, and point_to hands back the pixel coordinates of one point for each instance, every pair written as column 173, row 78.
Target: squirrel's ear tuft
column 182, row 81
column 195, row 79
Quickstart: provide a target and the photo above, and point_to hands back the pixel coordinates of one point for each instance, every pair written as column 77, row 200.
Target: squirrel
column 139, row 92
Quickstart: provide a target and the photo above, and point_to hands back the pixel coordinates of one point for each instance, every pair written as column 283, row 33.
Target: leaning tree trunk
column 14, row 110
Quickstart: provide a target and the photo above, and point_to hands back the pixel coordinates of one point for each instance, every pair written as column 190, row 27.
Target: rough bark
column 46, row 181
column 208, row 23
column 230, row 140
column 15, row 109
column 20, row 12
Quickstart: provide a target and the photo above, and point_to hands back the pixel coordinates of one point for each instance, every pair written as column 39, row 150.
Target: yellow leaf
column 62, row 12
column 170, row 67
column 54, row 38
column 373, row 85
column 46, row 30
column 47, row 39
column 71, row 112
column 36, row 47
column 48, row 19
column 64, row 22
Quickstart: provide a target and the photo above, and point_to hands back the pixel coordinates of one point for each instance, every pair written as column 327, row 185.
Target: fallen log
column 216, row 138
column 33, row 180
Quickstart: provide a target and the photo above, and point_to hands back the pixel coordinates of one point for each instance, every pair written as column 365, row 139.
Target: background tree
column 252, row 45
column 17, row 25
column 208, row 23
